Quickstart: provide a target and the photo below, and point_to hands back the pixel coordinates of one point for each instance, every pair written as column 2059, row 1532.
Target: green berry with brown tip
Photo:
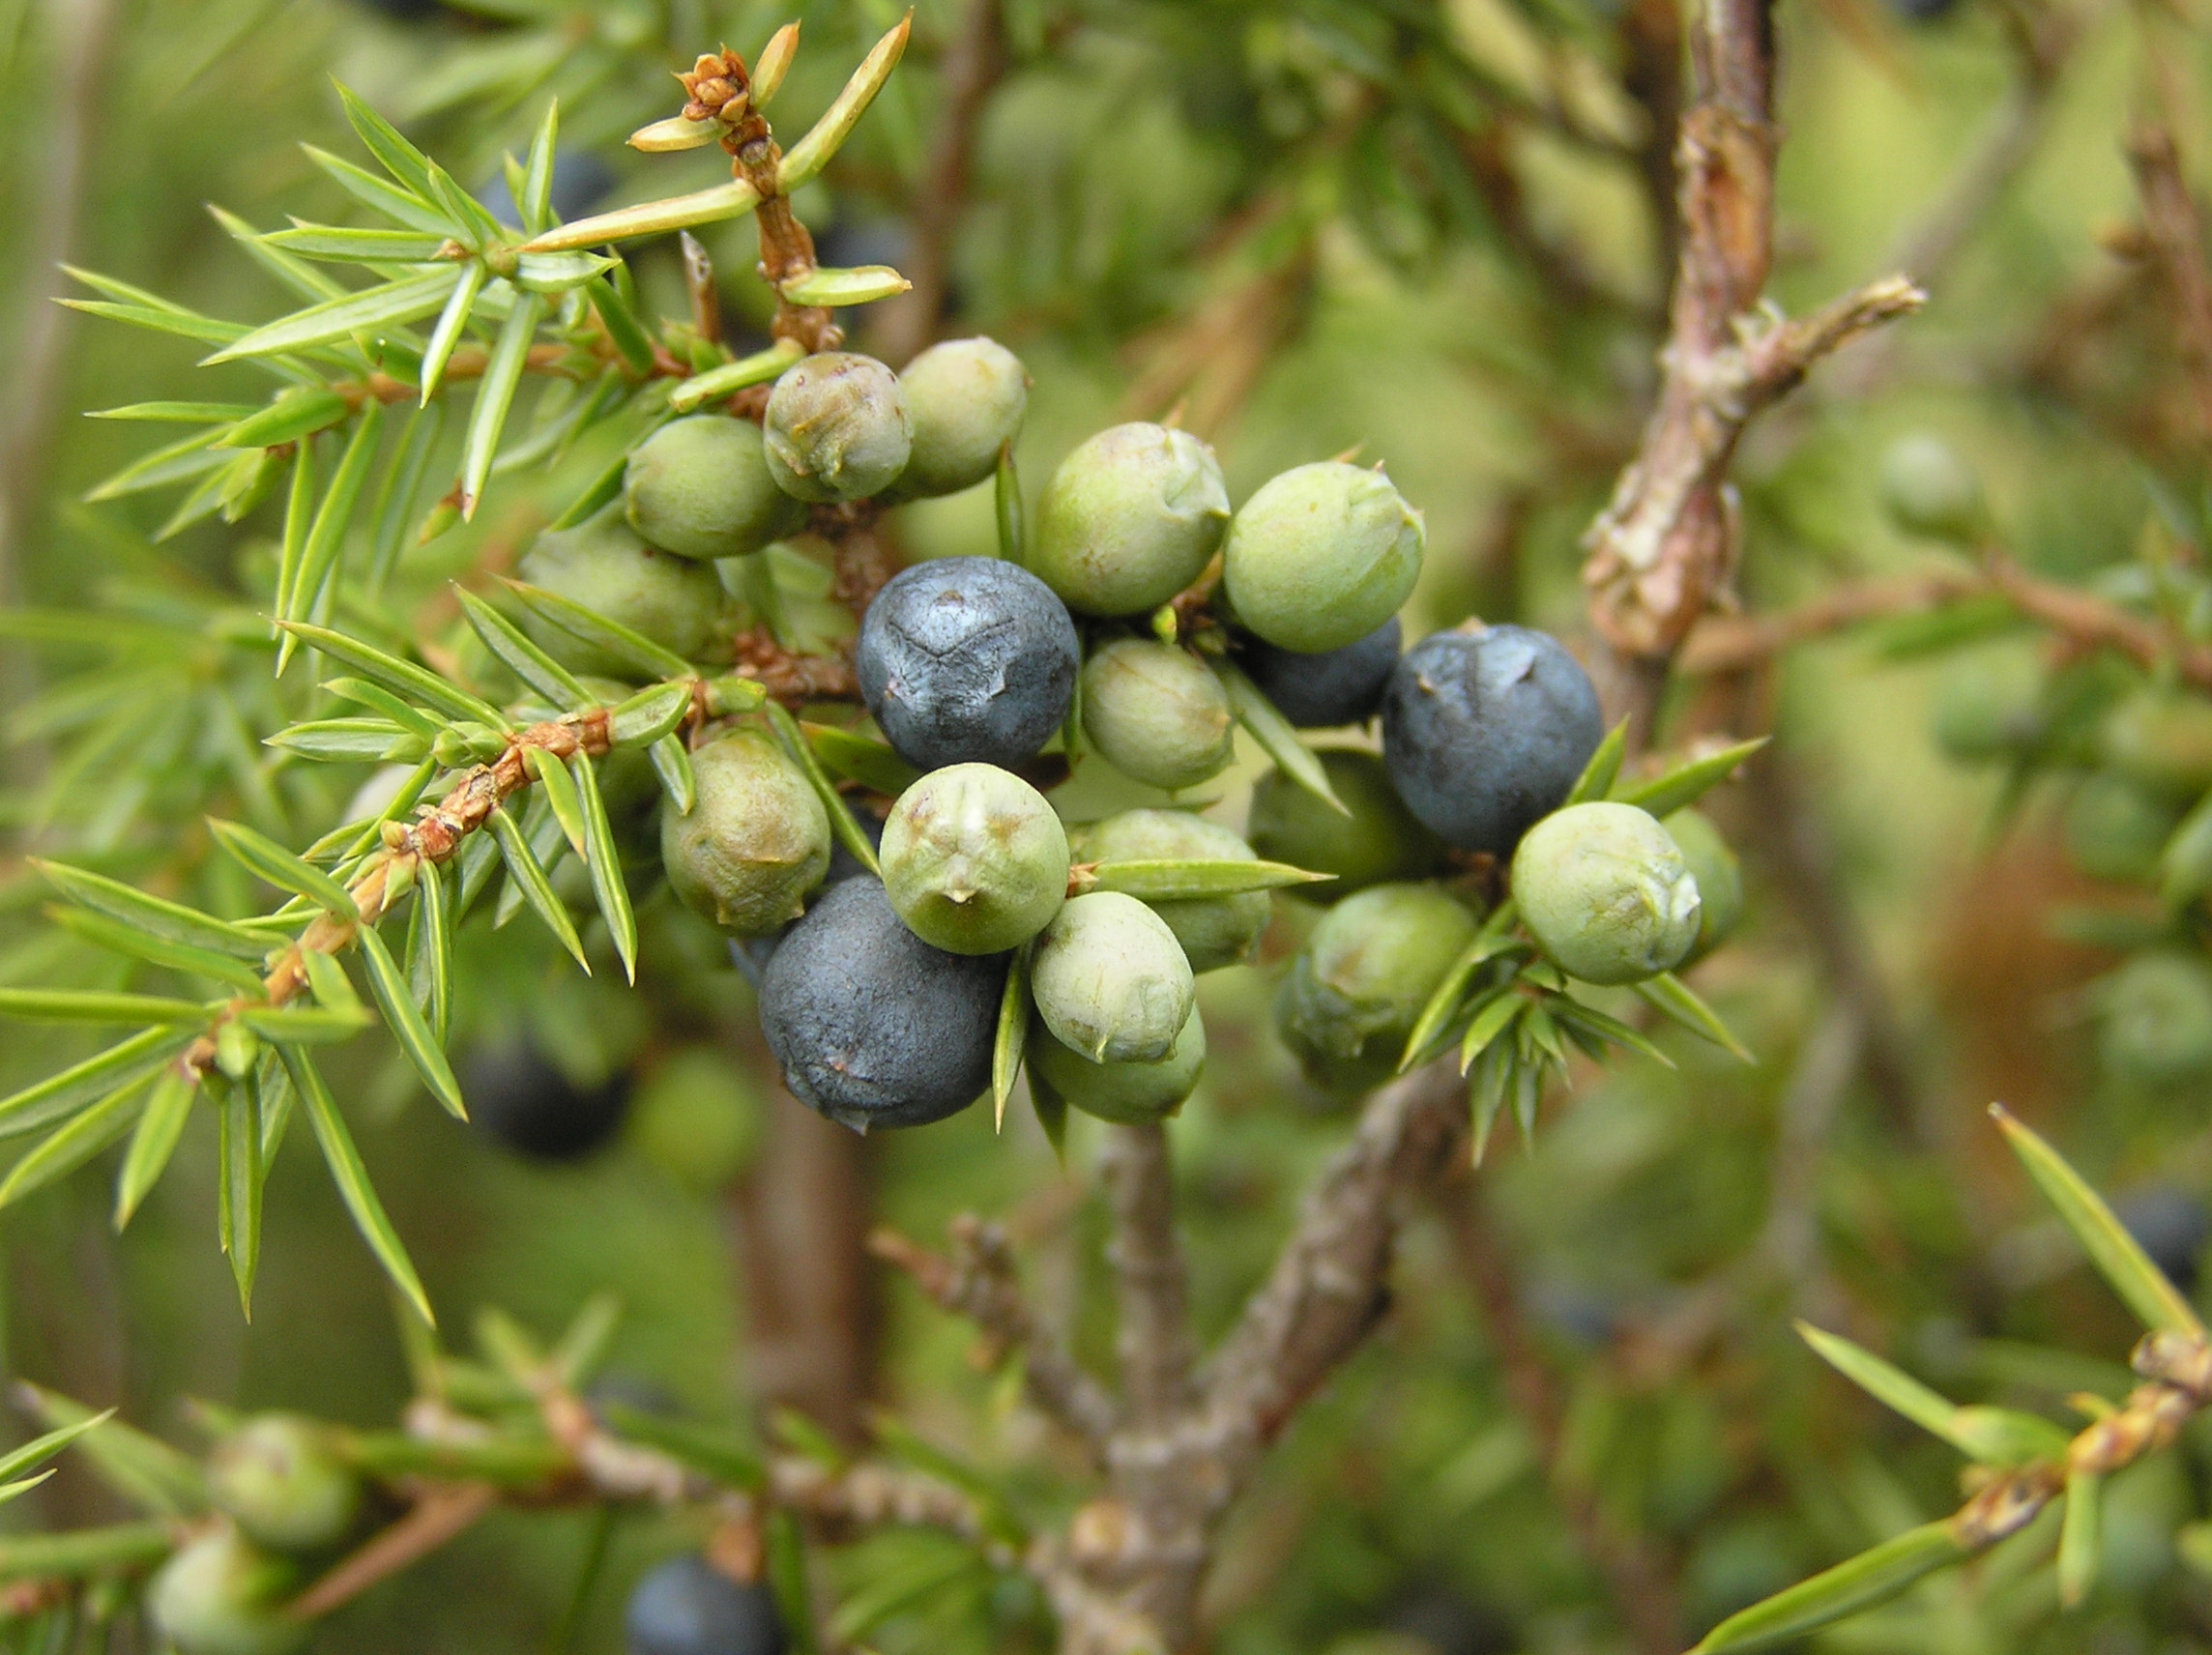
column 219, row 1594
column 1110, row 979
column 966, row 398
column 700, row 488
column 1606, row 893
column 1156, row 714
column 1358, row 985
column 1718, row 875
column 1380, row 840
column 974, row 860
column 602, row 566
column 756, row 841
column 1322, row 556
column 282, row 1481
column 1130, row 519
column 837, row 428
column 1129, row 1094
column 1214, row 931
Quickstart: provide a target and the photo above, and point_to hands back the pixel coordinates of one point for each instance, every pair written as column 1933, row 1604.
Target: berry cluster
column 286, row 1498
column 1141, row 625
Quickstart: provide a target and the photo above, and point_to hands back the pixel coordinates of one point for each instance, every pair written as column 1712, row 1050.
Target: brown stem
column 1636, row 1578
column 802, row 1220
column 439, row 1516
column 1155, row 1340
column 2175, row 229
column 1665, row 542
column 980, row 1282
column 972, row 65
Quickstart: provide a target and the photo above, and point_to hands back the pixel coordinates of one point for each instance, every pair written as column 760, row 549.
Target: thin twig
column 438, row 1517
column 2175, row 229
column 972, row 65
column 981, row 1281
column 1665, row 544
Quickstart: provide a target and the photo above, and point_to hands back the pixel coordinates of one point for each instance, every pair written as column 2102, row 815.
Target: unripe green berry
column 1110, row 979
column 836, row 427
column 966, row 398
column 220, row 1595
column 1989, row 706
column 2161, row 741
column 1379, row 841
column 1130, row 519
column 1606, row 893
column 2115, row 830
column 2157, row 1018
column 757, row 839
column 974, row 860
column 1156, row 714
column 1358, row 985
column 1322, row 556
column 1130, row 1094
column 601, row 565
column 282, row 1482
column 1214, row 931
column 700, row 488
column 1718, row 875
column 1929, row 490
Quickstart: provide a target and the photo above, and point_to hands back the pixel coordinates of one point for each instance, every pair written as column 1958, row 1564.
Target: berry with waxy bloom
column 973, row 859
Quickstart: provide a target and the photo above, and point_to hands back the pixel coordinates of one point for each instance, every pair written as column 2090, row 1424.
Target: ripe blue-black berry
column 521, row 1100
column 687, row 1607
column 1486, row 732
column 1337, row 687
column 874, row 1026
column 967, row 660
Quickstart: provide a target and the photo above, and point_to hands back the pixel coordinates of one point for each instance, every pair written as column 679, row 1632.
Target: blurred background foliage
column 1422, row 228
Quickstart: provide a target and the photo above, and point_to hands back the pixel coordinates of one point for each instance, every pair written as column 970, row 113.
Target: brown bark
column 802, row 1219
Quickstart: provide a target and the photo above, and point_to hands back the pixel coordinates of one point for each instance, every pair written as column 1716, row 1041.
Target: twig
column 1636, row 1578
column 1737, row 643
column 438, row 1517
column 1665, row 542
column 980, row 1282
column 2175, row 230
column 972, row 65
column 2092, row 622
column 1154, row 1339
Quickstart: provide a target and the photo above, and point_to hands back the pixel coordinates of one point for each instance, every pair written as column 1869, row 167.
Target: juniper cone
column 966, row 398
column 1606, row 893
column 1111, row 981
column 1930, row 489
column 280, row 1481
column 1130, row 519
column 755, row 843
column 2162, row 742
column 966, row 659
column 2117, row 829
column 524, row 1101
column 1357, row 986
column 872, row 1026
column 1717, row 875
column 1129, row 1094
column 700, row 488
column 1322, row 556
column 219, row 1595
column 837, row 428
column 1991, row 709
column 1485, row 732
column 1374, row 839
column 602, row 566
column 1322, row 691
column 974, row 860
column 1214, row 931
column 2156, row 1025
column 687, row 1607
column 1156, row 714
